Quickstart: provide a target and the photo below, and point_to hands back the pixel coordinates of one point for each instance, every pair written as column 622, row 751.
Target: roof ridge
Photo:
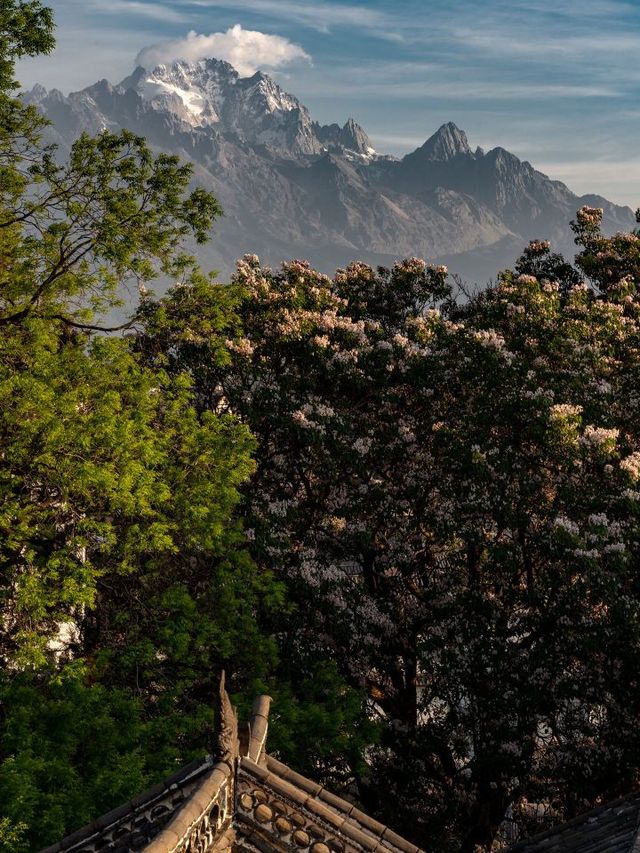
column 155, row 791
column 355, row 822
column 196, row 808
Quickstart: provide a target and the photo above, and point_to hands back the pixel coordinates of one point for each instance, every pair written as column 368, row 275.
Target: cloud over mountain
column 246, row 50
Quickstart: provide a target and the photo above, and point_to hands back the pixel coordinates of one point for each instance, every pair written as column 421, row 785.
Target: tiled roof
column 246, row 800
column 613, row 828
column 333, row 821
column 132, row 825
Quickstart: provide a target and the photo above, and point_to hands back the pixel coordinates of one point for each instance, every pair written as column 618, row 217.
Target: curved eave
column 202, row 813
column 134, row 823
column 339, row 818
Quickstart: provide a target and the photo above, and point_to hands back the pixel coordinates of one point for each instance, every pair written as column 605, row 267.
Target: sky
column 556, row 82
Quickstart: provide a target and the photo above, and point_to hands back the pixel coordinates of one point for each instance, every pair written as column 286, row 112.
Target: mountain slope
column 291, row 187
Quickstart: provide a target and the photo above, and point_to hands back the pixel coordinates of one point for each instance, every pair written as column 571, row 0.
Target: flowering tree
column 450, row 493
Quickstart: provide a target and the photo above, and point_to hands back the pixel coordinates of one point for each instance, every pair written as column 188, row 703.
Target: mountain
column 447, row 144
column 291, row 187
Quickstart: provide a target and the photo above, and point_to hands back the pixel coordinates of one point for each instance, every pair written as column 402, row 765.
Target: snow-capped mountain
column 211, row 94
column 291, row 187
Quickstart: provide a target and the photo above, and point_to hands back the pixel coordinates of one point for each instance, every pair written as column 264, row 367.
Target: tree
column 125, row 585
column 449, row 493
column 26, row 29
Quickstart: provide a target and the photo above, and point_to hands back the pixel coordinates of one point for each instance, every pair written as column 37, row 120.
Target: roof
column 279, row 805
column 133, row 824
column 612, row 828
column 244, row 799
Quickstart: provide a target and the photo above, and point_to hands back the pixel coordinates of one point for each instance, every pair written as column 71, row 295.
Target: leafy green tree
column 318, row 720
column 125, row 585
column 26, row 29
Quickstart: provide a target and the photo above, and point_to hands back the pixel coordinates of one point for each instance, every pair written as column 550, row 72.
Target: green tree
column 124, row 582
column 26, row 29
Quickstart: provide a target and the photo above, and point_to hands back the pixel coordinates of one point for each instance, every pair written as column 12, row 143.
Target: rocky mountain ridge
column 211, row 94
column 291, row 187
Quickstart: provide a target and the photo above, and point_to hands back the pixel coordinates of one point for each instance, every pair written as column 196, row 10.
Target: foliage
column 450, row 493
column 124, row 583
column 69, row 752
column 440, row 587
column 26, row 29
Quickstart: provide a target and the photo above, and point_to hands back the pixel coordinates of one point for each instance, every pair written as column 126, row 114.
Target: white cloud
column 543, row 46
column 246, row 50
column 427, row 89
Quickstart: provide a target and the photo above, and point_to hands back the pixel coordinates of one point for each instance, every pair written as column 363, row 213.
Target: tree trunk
column 486, row 816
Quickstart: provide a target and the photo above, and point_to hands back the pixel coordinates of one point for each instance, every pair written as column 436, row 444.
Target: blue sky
column 557, row 83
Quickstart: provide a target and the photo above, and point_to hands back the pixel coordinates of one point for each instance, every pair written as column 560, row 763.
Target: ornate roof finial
column 226, row 731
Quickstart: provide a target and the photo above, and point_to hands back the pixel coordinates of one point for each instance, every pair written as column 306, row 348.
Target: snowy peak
column 36, row 95
column 194, row 91
column 211, row 93
column 266, row 94
column 445, row 144
column 261, row 113
column 260, row 97
column 200, row 91
column 351, row 140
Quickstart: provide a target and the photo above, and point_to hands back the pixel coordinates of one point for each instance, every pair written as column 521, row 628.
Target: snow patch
column 192, row 100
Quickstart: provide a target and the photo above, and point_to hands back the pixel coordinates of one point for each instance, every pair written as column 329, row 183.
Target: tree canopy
column 450, row 492
column 124, row 582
